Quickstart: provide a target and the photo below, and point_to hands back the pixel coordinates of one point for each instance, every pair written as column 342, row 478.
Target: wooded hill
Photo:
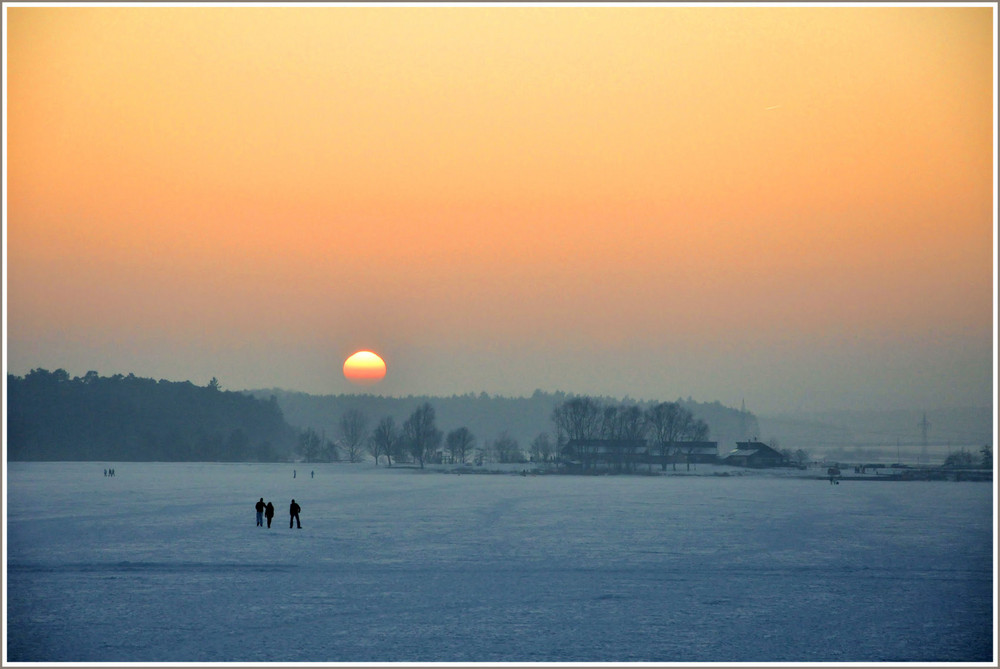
column 51, row 416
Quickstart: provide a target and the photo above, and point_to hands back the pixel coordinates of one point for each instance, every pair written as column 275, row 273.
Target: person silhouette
column 269, row 513
column 259, row 507
column 293, row 514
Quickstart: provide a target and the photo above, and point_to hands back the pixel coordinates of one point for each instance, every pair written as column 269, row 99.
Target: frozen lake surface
column 164, row 563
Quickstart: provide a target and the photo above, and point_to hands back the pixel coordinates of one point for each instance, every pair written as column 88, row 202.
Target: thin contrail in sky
column 772, row 107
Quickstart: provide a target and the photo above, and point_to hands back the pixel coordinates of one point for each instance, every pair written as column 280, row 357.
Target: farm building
column 620, row 453
column 706, row 452
column 755, row 454
column 681, row 452
column 628, row 453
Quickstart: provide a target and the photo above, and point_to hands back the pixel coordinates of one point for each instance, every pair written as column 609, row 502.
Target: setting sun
column 364, row 368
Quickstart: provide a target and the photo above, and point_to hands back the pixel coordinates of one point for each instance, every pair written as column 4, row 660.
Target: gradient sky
column 788, row 206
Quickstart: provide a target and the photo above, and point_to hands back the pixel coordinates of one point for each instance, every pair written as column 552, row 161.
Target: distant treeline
column 51, row 416
column 491, row 418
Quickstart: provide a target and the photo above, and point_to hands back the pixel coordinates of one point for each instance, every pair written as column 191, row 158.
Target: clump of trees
column 543, row 448
column 671, row 428
column 386, row 440
column 505, row 449
column 420, row 434
column 487, row 416
column 315, row 447
column 796, row 457
column 967, row 460
column 52, row 416
column 419, row 440
column 354, row 434
column 460, row 443
column 354, row 439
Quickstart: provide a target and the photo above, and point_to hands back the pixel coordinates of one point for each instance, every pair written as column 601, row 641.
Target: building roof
column 694, row 446
column 750, row 448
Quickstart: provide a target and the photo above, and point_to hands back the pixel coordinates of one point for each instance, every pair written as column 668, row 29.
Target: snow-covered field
column 164, row 563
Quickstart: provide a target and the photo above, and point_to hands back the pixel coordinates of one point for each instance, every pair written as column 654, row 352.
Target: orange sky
column 769, row 203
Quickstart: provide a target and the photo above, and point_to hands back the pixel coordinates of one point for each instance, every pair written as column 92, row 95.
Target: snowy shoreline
column 818, row 473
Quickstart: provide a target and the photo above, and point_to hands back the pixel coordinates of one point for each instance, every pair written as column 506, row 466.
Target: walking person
column 259, row 506
column 293, row 517
column 269, row 513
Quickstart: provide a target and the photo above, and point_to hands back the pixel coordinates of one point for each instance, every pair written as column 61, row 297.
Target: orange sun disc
column 364, row 368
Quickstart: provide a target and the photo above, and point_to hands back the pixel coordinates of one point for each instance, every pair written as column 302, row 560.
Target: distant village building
column 621, row 454
column 627, row 454
column 755, row 454
column 702, row 452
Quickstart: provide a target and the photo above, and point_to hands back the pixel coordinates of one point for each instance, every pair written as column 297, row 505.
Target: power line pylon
column 924, row 427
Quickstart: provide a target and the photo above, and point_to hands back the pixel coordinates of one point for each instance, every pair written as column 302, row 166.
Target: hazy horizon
column 791, row 207
column 375, row 391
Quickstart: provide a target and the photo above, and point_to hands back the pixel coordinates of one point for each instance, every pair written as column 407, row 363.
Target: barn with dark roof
column 755, row 454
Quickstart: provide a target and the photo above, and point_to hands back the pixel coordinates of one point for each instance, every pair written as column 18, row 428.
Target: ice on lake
column 164, row 563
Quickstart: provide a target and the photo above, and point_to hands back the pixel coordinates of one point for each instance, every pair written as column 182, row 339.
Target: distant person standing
column 293, row 515
column 269, row 513
column 259, row 506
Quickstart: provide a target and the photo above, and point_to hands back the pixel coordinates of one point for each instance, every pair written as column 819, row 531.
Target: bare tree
column 384, row 440
column 663, row 420
column 632, row 431
column 798, row 457
column 611, row 431
column 632, row 423
column 329, row 449
column 485, row 453
column 421, row 435
column 578, row 418
column 507, row 448
column 354, row 433
column 460, row 443
column 610, row 422
column 542, row 448
column 695, row 430
column 671, row 424
column 962, row 458
column 309, row 445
